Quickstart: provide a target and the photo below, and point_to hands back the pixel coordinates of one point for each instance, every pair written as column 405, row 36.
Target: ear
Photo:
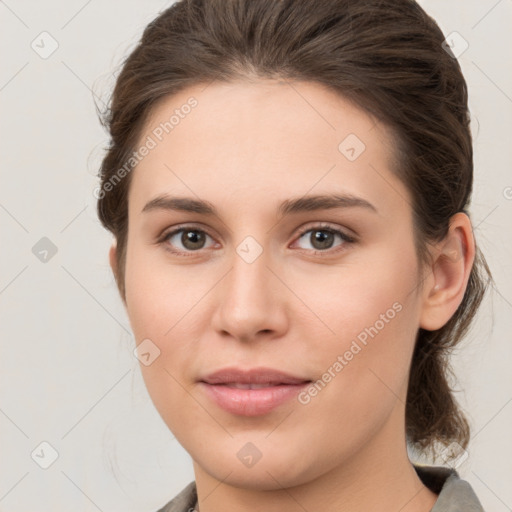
column 448, row 274
column 112, row 253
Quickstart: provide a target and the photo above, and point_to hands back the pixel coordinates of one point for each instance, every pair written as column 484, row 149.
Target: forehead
column 270, row 137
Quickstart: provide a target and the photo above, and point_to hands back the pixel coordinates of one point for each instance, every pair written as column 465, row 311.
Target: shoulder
column 185, row 501
column 454, row 493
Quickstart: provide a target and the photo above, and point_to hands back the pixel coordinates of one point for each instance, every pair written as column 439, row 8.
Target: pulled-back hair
column 388, row 58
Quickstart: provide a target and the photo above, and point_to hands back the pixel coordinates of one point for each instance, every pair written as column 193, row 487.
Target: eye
column 322, row 238
column 190, row 238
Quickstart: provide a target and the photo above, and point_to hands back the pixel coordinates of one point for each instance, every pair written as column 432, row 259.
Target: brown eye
column 190, row 239
column 322, row 239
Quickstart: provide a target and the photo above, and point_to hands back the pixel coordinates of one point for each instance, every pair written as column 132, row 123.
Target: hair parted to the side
column 384, row 55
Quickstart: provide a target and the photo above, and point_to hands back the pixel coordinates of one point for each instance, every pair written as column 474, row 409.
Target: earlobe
column 453, row 260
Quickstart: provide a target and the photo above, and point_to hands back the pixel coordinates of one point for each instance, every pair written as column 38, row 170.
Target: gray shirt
column 454, row 494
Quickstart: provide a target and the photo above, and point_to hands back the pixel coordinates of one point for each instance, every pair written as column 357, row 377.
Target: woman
column 288, row 185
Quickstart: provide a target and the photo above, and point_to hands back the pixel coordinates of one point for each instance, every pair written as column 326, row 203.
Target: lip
column 272, row 388
column 260, row 375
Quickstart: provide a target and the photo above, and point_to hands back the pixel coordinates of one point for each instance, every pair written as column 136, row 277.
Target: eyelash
column 320, row 227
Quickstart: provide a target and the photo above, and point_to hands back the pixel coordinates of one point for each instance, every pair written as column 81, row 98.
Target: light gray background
column 68, row 375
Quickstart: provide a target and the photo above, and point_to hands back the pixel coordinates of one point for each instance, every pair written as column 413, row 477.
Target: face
column 268, row 278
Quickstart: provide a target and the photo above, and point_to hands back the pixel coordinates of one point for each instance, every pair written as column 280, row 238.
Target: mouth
column 252, row 392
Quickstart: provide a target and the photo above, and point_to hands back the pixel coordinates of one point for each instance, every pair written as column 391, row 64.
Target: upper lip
column 259, row 375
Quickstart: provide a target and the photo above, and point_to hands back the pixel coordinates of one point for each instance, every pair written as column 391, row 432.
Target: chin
column 274, row 469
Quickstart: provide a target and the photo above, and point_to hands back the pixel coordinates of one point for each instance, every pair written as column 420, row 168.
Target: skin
column 245, row 148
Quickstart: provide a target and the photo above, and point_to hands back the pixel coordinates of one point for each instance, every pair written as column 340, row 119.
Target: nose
column 252, row 302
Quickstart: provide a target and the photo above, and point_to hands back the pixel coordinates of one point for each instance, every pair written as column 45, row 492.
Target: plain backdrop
column 68, row 377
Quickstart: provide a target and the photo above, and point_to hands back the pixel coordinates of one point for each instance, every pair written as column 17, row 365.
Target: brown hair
column 388, row 57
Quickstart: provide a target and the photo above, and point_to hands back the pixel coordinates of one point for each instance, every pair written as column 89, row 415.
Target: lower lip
column 251, row 402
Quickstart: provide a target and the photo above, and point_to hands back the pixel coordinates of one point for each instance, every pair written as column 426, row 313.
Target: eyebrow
column 287, row 207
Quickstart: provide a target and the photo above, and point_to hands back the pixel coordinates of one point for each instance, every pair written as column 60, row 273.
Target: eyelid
column 328, row 227
column 187, row 225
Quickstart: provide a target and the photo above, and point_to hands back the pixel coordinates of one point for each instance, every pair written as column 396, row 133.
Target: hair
column 385, row 56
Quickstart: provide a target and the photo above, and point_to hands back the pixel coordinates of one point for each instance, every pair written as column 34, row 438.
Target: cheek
column 163, row 305
column 362, row 373
column 160, row 296
column 373, row 316
column 360, row 298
